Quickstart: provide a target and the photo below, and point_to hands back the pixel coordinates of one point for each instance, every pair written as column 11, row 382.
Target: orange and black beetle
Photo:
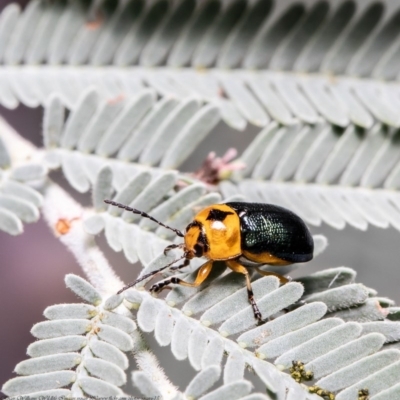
column 244, row 235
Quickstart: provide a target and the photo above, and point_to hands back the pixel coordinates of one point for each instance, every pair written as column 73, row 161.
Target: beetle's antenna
column 143, row 214
column 150, row 274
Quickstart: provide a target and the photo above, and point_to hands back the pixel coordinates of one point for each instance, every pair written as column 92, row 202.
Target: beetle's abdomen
column 266, row 228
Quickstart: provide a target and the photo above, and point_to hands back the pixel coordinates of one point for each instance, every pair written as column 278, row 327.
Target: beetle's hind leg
column 204, row 271
column 235, row 266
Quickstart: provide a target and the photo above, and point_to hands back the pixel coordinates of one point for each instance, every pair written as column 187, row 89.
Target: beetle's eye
column 198, row 250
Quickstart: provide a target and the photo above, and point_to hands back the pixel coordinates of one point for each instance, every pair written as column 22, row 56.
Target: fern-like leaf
column 19, row 202
column 80, row 349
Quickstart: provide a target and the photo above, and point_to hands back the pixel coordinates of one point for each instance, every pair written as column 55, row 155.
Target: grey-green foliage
column 177, row 125
column 81, row 347
column 325, row 139
column 273, row 157
column 80, row 352
column 19, row 202
column 216, row 319
column 327, row 346
column 244, row 36
column 371, row 160
column 146, row 194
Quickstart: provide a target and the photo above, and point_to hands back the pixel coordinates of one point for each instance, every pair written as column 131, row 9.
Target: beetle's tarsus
column 156, row 288
column 259, row 319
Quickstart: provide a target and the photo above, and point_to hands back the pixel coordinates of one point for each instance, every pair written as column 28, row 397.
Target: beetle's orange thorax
column 214, row 233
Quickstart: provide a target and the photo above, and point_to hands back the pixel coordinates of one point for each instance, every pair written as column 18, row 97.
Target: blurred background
column 33, row 265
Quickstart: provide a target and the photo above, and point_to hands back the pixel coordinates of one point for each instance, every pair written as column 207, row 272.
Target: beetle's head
column 196, row 242
column 214, row 233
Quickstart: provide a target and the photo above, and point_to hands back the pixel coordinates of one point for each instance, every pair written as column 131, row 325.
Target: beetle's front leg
column 204, row 271
column 183, row 265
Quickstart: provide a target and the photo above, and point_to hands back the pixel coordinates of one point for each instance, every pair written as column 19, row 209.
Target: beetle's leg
column 151, row 274
column 282, row 279
column 180, row 266
column 204, row 271
column 235, row 266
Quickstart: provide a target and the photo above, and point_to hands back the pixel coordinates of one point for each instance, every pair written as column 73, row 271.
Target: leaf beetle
column 244, row 235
